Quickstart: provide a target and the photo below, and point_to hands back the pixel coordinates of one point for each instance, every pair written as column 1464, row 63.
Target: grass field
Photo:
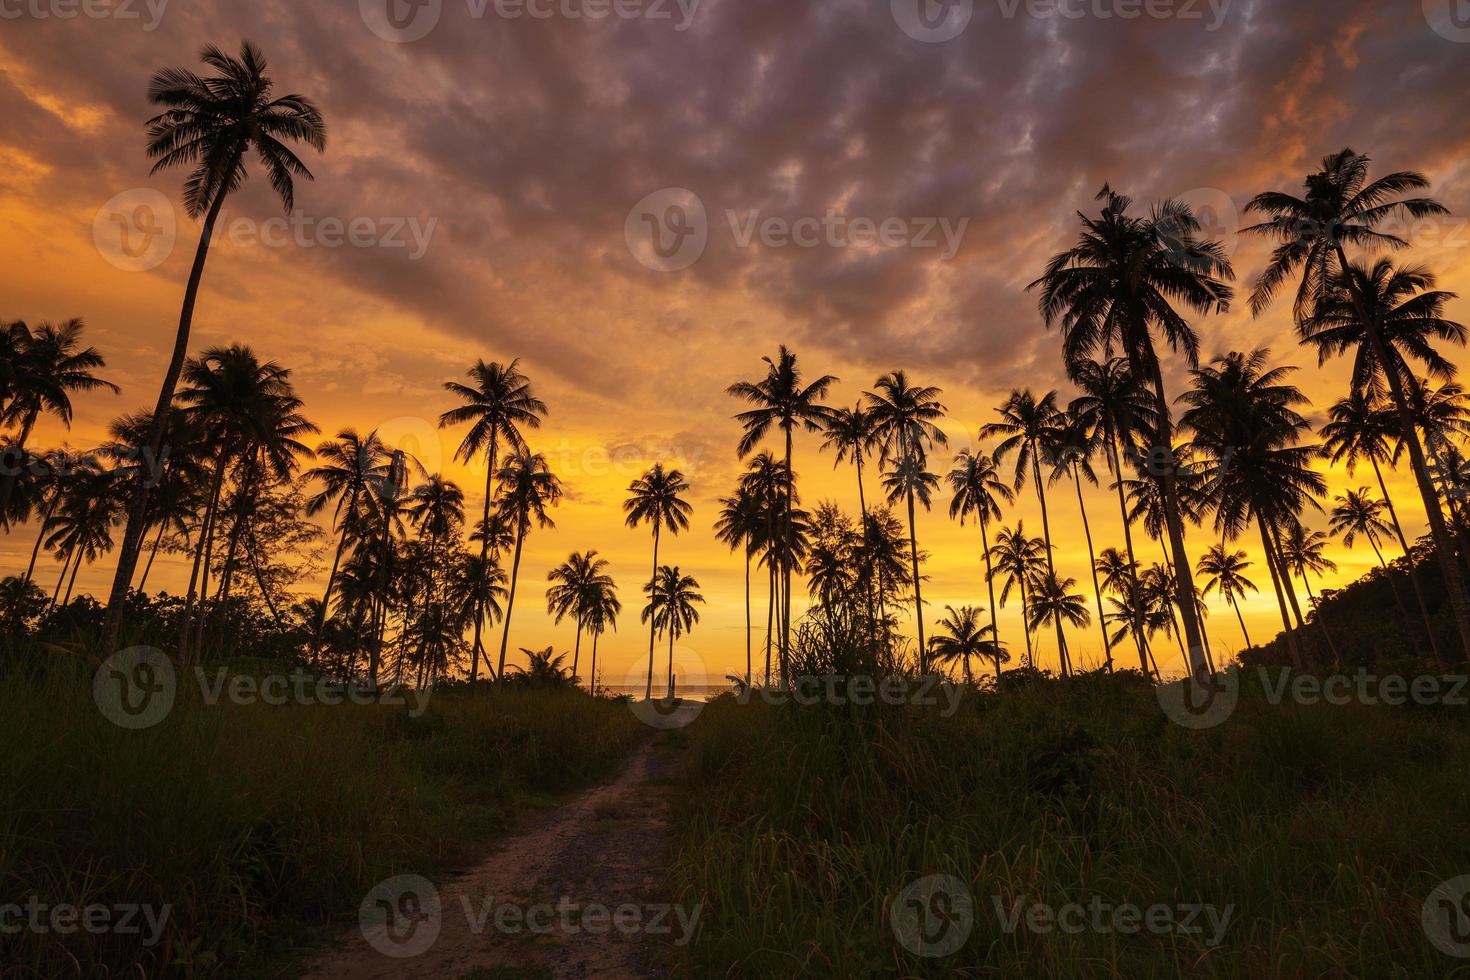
column 1316, row 832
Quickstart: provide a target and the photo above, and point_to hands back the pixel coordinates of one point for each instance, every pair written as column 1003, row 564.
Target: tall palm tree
column 783, row 401
column 81, row 530
column 1379, row 312
column 50, row 366
column 741, row 524
column 602, row 607
column 672, row 597
column 978, row 489
column 1053, row 601
column 1074, row 458
column 527, row 488
column 1021, row 560
column 1305, row 553
column 208, row 124
column 1224, row 573
column 656, row 498
column 1116, row 288
column 905, row 420
column 909, row 480
column 770, row 484
column 498, row 404
column 579, row 582
column 961, row 637
column 1357, row 514
column 850, row 435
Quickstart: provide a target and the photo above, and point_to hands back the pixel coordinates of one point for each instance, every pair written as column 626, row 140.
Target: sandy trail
column 606, row 847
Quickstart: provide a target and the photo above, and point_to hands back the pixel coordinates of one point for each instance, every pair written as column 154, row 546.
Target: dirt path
column 534, row 903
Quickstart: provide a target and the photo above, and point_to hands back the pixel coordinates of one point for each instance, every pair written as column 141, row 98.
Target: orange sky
column 527, row 143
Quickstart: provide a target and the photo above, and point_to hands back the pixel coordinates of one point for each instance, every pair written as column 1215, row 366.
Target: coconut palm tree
column 960, row 637
column 910, row 481
column 770, row 484
column 783, row 401
column 1021, row 560
column 850, row 435
column 656, row 498
column 672, row 597
column 1052, row 601
column 1356, row 513
column 741, row 524
column 579, row 582
column 602, row 607
column 209, row 124
column 904, row 424
column 527, row 487
column 50, row 366
column 1112, row 292
column 978, row 489
column 1223, row 572
column 1074, row 458
column 81, row 529
column 499, row 403
column 1379, row 313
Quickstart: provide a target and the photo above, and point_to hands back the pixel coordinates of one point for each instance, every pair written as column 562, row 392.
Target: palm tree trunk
column 1291, row 640
column 1026, row 626
column 671, row 659
column 918, row 589
column 786, row 562
column 1398, row 599
column 510, row 600
column 990, row 587
column 747, row 617
column 252, row 553
column 1140, row 639
column 484, row 553
column 152, row 554
column 1238, row 616
column 65, row 565
column 592, row 681
column 200, row 555
column 1050, row 565
column 69, row 585
column 652, row 589
column 1092, row 566
column 1398, row 530
column 41, row 537
column 132, row 542
column 321, row 615
column 577, row 651
column 1322, row 620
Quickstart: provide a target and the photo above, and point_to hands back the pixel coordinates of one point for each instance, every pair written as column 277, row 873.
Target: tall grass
column 257, row 826
column 1326, row 828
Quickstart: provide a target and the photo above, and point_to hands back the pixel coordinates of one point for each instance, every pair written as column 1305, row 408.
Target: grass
column 260, row 827
column 1325, row 828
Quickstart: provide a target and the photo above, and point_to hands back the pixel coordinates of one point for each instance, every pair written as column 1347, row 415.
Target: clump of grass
column 258, row 826
column 1324, row 827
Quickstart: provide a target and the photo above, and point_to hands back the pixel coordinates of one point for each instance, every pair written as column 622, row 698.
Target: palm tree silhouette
column 961, row 637
column 81, row 530
column 602, row 609
column 1053, row 602
column 1111, row 292
column 209, row 124
column 1357, row 514
column 769, row 483
column 498, row 403
column 527, row 488
column 783, row 401
column 741, row 524
column 1340, row 306
column 978, row 490
column 850, row 435
column 1020, row 559
column 655, row 498
column 672, row 597
column 1223, row 572
column 909, row 480
column 579, row 583
column 1074, row 458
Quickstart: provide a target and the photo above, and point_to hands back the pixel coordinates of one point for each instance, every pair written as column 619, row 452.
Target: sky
column 873, row 184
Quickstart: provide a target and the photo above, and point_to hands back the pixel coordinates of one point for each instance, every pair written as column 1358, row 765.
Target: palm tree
column 1224, row 572
column 961, row 637
column 209, row 124
column 1340, row 306
column 741, row 524
column 1111, row 292
column 50, row 366
column 656, row 498
column 672, row 597
column 498, row 403
column 904, row 424
column 783, row 401
column 602, row 609
column 1074, row 458
column 769, row 483
column 1356, row 513
column 580, row 581
column 850, row 434
column 81, row 530
column 979, row 490
column 1052, row 601
column 1020, row 559
column 527, row 488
